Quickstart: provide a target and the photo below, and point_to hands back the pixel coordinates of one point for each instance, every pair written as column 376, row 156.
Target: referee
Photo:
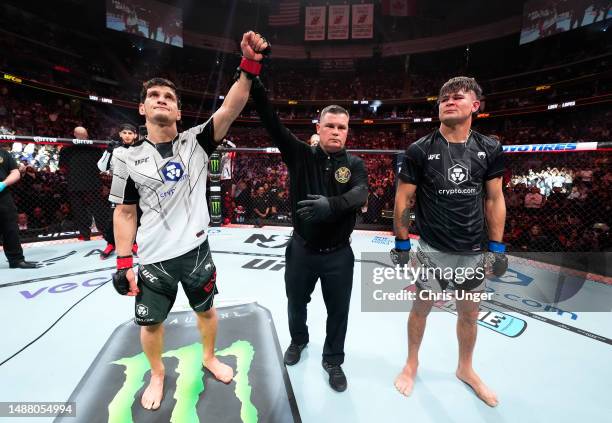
column 327, row 188
column 9, row 232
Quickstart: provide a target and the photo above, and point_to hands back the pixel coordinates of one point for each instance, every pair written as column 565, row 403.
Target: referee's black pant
column 9, row 231
column 84, row 205
column 335, row 269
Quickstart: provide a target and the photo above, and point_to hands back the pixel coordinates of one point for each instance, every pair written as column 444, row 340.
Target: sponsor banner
column 82, row 142
column 338, row 23
column 550, row 148
column 314, row 24
column 362, row 21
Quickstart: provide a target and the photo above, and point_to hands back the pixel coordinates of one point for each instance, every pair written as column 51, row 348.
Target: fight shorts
column 158, row 284
column 441, row 271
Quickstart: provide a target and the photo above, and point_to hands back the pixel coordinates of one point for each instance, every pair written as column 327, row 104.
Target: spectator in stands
column 375, row 206
column 84, row 187
column 242, row 195
column 533, row 199
column 314, row 140
column 537, row 240
column 22, row 221
column 261, row 208
column 556, row 200
column 514, row 197
column 39, row 221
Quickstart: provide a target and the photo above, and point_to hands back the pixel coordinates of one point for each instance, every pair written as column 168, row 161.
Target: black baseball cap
column 127, row 127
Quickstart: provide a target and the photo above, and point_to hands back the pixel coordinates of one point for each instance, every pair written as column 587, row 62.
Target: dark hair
column 459, row 83
column 127, row 127
column 159, row 82
column 333, row 109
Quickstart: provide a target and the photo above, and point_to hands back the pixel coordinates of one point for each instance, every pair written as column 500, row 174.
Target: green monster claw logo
column 189, row 384
column 216, row 207
column 214, row 163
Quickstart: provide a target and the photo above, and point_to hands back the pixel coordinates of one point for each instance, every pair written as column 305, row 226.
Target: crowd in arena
column 552, row 201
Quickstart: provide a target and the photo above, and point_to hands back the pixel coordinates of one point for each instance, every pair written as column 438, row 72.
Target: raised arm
column 282, row 137
column 252, row 46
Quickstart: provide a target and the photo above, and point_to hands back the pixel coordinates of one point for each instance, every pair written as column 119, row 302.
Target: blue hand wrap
column 402, row 244
column 497, row 247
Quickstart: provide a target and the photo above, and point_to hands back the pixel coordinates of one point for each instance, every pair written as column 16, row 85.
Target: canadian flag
column 399, row 7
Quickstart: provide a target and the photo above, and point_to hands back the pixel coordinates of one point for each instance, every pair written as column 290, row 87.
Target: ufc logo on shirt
column 434, row 157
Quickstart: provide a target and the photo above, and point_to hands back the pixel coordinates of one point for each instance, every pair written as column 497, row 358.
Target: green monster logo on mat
column 189, row 384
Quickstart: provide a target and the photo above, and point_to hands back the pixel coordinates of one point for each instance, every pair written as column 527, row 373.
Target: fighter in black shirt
column 450, row 183
column 455, row 176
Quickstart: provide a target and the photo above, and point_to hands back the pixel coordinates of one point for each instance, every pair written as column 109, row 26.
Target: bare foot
column 482, row 391
column 152, row 396
column 405, row 380
column 221, row 371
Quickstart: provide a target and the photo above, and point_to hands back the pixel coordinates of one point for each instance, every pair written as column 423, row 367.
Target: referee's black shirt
column 7, row 165
column 341, row 177
column 450, row 180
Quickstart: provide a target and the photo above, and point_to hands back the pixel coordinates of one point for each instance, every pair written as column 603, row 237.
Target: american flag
column 284, row 13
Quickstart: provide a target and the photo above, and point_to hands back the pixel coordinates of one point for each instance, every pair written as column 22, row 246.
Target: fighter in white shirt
column 166, row 175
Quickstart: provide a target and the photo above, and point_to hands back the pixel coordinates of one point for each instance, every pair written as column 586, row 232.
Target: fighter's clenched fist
column 254, row 46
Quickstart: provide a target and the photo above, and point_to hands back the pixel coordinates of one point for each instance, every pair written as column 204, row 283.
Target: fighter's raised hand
column 254, row 46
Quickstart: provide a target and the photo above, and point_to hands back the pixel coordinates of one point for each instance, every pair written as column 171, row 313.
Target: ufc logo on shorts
column 211, row 283
column 148, row 275
column 434, row 157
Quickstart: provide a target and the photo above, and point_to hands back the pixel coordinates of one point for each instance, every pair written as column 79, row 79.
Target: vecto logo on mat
column 189, row 384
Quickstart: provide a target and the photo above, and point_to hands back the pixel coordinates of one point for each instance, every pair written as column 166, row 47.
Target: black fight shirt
column 341, row 177
column 7, row 164
column 450, row 180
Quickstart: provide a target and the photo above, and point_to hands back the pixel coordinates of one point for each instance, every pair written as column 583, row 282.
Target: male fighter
column 455, row 175
column 166, row 175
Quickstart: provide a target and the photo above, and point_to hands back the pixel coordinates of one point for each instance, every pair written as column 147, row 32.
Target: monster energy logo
column 216, row 207
column 189, row 384
column 215, row 163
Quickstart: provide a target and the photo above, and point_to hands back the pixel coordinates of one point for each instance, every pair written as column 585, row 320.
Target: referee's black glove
column 315, row 209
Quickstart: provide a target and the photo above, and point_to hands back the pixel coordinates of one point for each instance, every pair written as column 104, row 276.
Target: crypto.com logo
column 458, row 174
